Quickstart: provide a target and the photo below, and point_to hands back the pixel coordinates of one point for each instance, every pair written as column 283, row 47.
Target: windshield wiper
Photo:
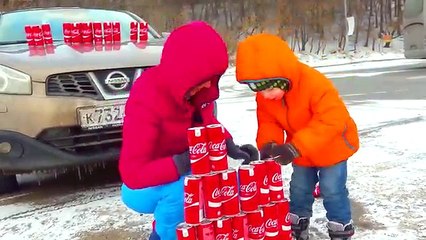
column 20, row 42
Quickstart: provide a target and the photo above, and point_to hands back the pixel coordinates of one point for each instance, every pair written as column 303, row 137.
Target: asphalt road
column 407, row 83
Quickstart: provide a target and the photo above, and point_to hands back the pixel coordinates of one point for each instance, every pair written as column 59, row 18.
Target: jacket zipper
column 290, row 129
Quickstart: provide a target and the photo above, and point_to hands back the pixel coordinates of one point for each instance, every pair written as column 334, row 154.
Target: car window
column 12, row 24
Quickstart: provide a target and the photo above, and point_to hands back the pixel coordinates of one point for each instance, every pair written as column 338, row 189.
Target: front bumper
column 27, row 154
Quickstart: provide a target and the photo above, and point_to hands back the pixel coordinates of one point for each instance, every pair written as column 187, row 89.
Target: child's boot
column 338, row 231
column 299, row 227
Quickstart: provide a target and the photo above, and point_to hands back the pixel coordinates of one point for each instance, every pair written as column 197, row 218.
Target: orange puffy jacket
column 312, row 114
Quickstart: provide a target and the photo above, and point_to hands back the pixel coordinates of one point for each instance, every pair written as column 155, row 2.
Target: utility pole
column 345, row 4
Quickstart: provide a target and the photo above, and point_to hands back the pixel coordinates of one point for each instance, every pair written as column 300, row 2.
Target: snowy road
column 386, row 177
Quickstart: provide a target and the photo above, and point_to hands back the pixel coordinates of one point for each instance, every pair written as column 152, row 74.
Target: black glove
column 182, row 163
column 252, row 151
column 235, row 152
column 266, row 150
column 284, row 153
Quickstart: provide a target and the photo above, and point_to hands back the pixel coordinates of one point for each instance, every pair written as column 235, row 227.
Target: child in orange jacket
column 320, row 134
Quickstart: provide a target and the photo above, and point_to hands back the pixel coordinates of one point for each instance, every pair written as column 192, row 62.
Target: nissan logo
column 117, row 80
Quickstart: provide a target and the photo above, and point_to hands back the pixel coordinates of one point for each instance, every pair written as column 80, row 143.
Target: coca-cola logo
column 133, row 30
column 265, row 181
column 222, row 236
column 108, row 30
column 277, row 178
column 198, row 149
column 98, row 31
column 228, row 191
column 189, row 198
column 271, row 223
column 87, row 31
column 287, row 218
column 235, row 233
column 144, row 30
column 256, row 230
column 216, row 147
column 249, row 188
column 67, row 31
column 75, row 31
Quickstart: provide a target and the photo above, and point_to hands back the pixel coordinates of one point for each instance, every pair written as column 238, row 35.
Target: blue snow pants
column 164, row 201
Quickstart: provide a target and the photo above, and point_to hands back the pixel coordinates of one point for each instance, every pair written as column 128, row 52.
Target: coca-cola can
column 47, row 34
column 86, row 32
column 223, row 228
column 198, row 152
column 37, row 35
column 261, row 170
column 29, row 35
column 249, row 198
column 205, row 230
column 97, row 33
column 193, row 210
column 212, row 196
column 270, row 215
column 284, row 222
column 255, row 225
column 108, row 32
column 229, row 193
column 185, row 231
column 239, row 227
column 76, row 34
column 217, row 147
column 134, row 29
column 276, row 185
column 143, row 31
column 67, row 31
column 116, row 32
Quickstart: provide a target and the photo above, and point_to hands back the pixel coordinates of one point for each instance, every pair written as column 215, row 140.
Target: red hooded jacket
column 157, row 115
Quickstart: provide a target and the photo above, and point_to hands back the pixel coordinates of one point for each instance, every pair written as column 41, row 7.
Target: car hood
column 40, row 62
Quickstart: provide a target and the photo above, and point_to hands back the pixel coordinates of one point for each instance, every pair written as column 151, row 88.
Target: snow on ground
column 386, row 181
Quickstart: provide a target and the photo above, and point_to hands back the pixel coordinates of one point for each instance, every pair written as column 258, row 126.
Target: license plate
column 100, row 117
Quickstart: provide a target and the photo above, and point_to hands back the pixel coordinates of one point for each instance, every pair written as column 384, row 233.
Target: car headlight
column 14, row 82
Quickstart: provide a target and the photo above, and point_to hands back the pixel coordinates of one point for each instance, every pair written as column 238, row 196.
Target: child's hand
column 284, row 153
column 252, row 151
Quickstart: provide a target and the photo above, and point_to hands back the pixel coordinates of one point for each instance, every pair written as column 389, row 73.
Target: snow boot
column 299, row 227
column 338, row 231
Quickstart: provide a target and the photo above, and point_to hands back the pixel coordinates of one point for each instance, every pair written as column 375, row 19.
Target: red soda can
column 283, row 210
column 116, row 32
column 143, row 31
column 86, row 33
column 249, row 198
column 67, row 31
column 29, row 35
column 205, row 230
column 223, row 229
column 217, row 147
column 317, row 191
column 229, row 193
column 193, row 211
column 76, row 34
column 256, row 225
column 47, row 34
column 97, row 33
column 276, row 189
column 185, row 231
column 198, row 152
column 212, row 196
column 270, row 215
column 108, row 32
column 134, row 28
column 239, row 227
column 261, row 170
column 37, row 35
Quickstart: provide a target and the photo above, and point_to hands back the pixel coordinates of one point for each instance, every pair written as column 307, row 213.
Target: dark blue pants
column 332, row 181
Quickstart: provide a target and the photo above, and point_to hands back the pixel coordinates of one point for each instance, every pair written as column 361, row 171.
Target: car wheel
column 8, row 184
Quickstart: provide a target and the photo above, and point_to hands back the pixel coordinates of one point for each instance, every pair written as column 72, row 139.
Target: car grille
column 71, row 84
column 98, row 84
column 77, row 141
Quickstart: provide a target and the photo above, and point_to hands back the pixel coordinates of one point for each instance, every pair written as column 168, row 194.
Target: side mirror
column 165, row 34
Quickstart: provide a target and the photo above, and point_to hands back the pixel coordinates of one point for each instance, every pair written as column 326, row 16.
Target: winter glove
column 266, row 150
column 182, row 163
column 250, row 150
column 235, row 152
column 284, row 153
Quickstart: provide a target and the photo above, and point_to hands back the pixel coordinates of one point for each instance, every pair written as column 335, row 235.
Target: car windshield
column 12, row 25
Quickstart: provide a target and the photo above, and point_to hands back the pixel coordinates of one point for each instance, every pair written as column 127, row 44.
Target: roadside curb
column 356, row 62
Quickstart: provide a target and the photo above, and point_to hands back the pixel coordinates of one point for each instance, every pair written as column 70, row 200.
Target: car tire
column 8, row 184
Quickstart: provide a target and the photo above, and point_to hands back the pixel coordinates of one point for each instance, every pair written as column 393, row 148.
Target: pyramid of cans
column 223, row 203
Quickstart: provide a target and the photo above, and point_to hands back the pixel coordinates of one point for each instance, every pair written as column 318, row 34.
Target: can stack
column 226, row 203
column 39, row 39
